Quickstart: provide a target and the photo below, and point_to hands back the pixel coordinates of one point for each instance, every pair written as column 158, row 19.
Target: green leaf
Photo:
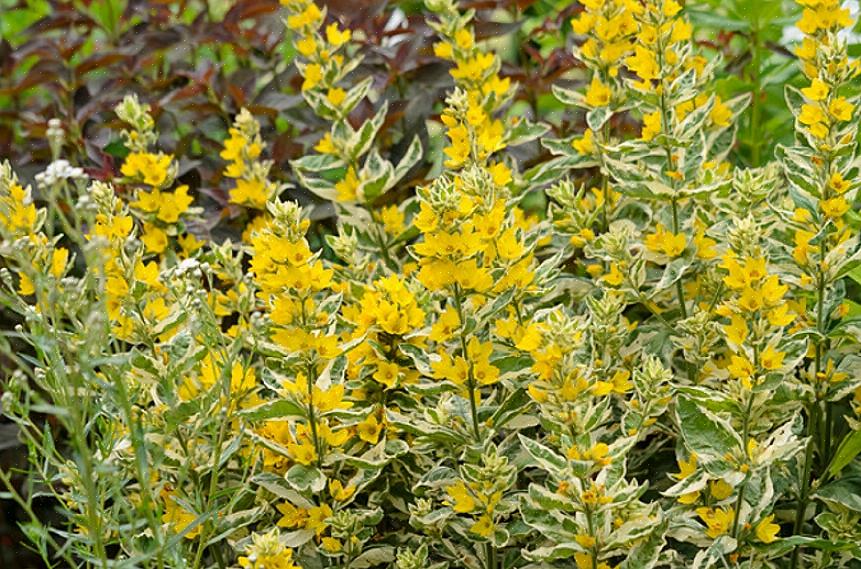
column 717, row 552
column 275, row 410
column 356, row 94
column 597, row 117
column 279, row 487
column 710, row 19
column 548, row 500
column 672, row 273
column 515, row 405
column 306, row 478
column 525, row 131
column 849, row 448
column 375, row 556
column 646, row 553
column 410, row 159
column 554, row 552
column 568, row 96
column 546, row 458
column 845, row 492
column 316, row 163
column 363, row 139
column 705, row 433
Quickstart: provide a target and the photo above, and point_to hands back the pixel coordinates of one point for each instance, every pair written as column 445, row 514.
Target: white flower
column 57, row 171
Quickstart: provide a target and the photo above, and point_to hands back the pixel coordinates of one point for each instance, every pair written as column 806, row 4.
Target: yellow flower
column 686, row 467
column 483, row 526
column 741, row 368
column 780, row 316
column 291, row 516
column 740, row 276
column 26, row 286
column 387, row 374
column 593, row 5
column 841, row 109
column 584, row 145
column 309, row 17
column 720, row 490
column 330, row 544
column 339, row 493
column 771, row 359
column 174, row 204
column 834, row 208
column 500, row 173
column 584, row 561
column 811, row 114
column 472, row 277
column 817, row 90
column 766, row 531
column 325, row 145
column 154, row 238
column 644, row 64
column 252, row 193
column 306, row 46
column 809, row 22
column 464, row 39
column 313, row 74
column 718, row 520
column 445, row 326
column 369, row 429
column 720, row 113
column 666, row 242
column 463, row 500
column 21, row 214
column 651, row 126
column 689, row 498
column 838, row 183
column 59, row 258
column 335, row 37
column 615, row 277
column 478, row 354
column 598, row 94
column 152, row 168
column 583, row 24
column 443, row 50
column 348, row 188
column 474, row 68
column 737, row 330
column 303, row 453
column 682, row 31
column 671, row 8
column 336, row 96
column 393, row 220
column 317, row 517
column 178, row 517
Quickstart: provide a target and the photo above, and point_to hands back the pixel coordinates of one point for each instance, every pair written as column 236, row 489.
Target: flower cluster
column 448, row 374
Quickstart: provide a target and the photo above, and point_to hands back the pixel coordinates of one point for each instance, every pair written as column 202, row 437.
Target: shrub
column 629, row 352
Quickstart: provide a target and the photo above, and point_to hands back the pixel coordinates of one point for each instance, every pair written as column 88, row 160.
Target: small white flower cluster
column 57, row 171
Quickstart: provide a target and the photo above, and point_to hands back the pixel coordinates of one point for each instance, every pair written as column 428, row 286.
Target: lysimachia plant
column 660, row 368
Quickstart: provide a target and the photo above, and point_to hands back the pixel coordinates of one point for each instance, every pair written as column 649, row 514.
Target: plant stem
column 312, row 418
column 813, row 422
column 470, row 381
column 216, row 460
column 805, row 483
column 605, row 180
column 490, row 555
column 754, row 134
column 680, row 291
column 745, row 434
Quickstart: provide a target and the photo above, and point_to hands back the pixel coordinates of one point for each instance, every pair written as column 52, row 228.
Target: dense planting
column 496, row 340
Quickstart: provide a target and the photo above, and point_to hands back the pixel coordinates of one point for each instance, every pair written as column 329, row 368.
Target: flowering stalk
column 345, row 154
column 825, row 147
